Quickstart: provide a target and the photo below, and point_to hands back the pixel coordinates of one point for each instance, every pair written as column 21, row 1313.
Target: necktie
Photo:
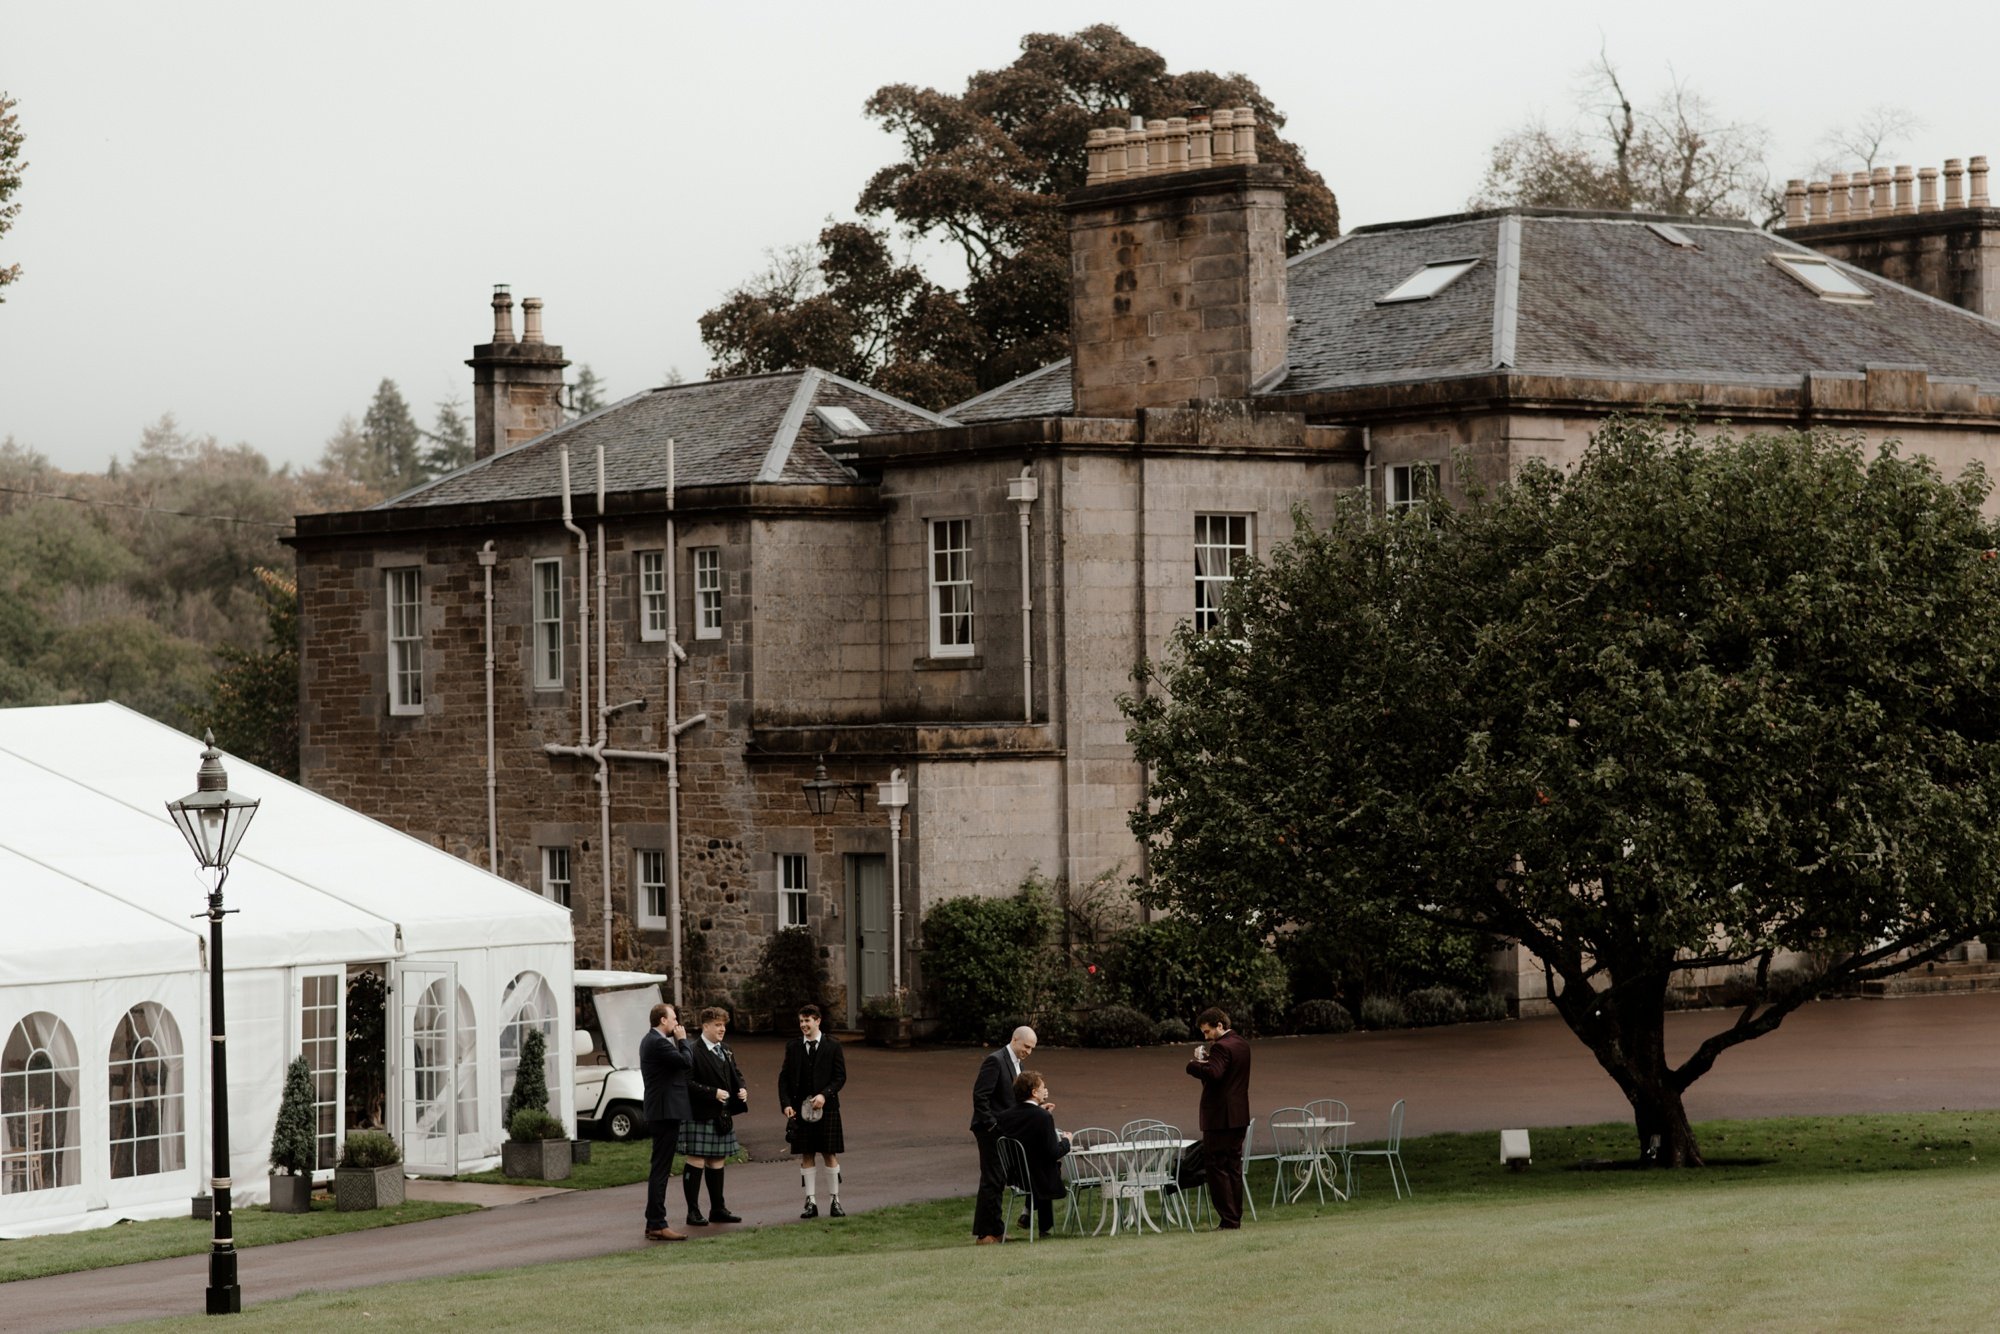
column 811, row 1047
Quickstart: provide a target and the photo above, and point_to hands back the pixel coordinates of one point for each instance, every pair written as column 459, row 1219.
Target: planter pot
column 893, row 1032
column 367, row 1187
column 291, row 1194
column 579, row 1150
column 537, row 1160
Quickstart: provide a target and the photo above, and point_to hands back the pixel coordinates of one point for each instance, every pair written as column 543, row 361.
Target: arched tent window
column 148, row 1127
column 431, row 1052
column 468, row 1066
column 526, row 1003
column 40, row 1140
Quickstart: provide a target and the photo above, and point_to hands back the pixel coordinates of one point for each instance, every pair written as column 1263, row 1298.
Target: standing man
column 1222, row 1064
column 992, row 1094
column 663, row 1064
column 716, row 1094
column 809, row 1086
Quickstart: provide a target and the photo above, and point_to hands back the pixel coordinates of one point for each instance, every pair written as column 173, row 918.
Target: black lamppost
column 212, row 819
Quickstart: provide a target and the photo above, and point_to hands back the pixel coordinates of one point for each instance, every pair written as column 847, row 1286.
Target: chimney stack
column 1177, row 264
column 516, row 386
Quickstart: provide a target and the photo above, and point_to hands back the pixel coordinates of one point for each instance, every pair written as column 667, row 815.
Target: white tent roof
column 83, row 793
column 62, row 930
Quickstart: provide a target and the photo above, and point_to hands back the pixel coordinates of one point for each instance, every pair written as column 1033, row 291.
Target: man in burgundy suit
column 1222, row 1064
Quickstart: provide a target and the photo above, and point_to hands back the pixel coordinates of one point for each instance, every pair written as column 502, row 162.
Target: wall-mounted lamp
column 823, row 794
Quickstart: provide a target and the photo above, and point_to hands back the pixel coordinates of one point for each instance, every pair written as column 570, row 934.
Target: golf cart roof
column 611, row 979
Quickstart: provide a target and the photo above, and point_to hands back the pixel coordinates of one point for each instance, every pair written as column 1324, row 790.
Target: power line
column 143, row 509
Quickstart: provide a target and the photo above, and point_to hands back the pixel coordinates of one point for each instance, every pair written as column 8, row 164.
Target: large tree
column 394, row 440
column 11, row 167
column 982, row 171
column 1698, row 704
column 253, row 698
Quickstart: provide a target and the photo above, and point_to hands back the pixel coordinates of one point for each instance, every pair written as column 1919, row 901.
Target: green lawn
column 1853, row 1223
column 610, row 1164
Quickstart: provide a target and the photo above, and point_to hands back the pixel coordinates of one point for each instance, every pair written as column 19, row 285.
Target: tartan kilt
column 821, row 1136
column 702, row 1139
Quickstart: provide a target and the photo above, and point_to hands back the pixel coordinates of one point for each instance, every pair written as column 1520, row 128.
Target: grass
column 611, row 1164
column 1852, row 1223
column 164, row 1238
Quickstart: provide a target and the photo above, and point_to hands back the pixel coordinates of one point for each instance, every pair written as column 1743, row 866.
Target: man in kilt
column 809, row 1082
column 716, row 1093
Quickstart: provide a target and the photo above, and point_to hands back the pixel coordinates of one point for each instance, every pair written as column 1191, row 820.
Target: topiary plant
column 1320, row 1016
column 531, row 1080
column 370, row 1148
column 1117, row 1026
column 294, row 1142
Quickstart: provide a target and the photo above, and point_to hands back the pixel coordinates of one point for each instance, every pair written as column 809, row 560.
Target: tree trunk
column 1626, row 1031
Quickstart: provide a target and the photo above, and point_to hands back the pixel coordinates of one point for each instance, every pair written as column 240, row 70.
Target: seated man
column 1029, row 1123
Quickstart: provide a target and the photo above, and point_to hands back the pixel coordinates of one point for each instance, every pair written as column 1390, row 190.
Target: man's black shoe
column 723, row 1216
column 835, row 1211
column 811, row 1210
column 696, row 1220
column 1022, row 1221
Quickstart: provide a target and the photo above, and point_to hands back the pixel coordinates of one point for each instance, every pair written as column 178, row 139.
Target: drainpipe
column 603, row 717
column 674, row 655
column 583, row 610
column 1022, row 491
column 487, row 557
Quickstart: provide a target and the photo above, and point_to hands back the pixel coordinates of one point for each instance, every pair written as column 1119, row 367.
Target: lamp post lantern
column 212, row 820
column 823, row 794
column 892, row 796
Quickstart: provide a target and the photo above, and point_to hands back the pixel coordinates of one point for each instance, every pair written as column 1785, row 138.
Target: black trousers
column 1222, row 1155
column 666, row 1139
column 988, row 1216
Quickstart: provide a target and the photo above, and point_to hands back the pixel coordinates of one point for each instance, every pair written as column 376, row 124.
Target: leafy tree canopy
column 982, row 171
column 253, row 698
column 1728, row 703
column 11, row 167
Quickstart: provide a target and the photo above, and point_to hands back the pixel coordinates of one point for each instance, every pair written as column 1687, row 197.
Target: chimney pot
column 1884, row 182
column 1093, row 152
column 1223, row 123
column 531, row 319
column 1201, row 147
column 1177, row 143
column 1837, row 195
column 503, row 314
column 1156, row 146
column 1905, row 190
column 1818, row 202
column 1795, row 203
column 1114, row 153
column 1954, row 183
column 1135, row 147
column 1976, row 169
column 1927, row 192
column 1245, row 123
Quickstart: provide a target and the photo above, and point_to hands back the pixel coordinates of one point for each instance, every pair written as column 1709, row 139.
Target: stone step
column 1943, row 979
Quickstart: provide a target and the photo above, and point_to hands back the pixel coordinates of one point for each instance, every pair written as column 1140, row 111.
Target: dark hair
column 809, row 1012
column 712, row 1014
column 1211, row 1016
column 1025, row 1085
column 659, row 1012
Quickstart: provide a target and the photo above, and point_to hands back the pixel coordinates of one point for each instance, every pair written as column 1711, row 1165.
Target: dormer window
column 1830, row 283
column 1427, row 282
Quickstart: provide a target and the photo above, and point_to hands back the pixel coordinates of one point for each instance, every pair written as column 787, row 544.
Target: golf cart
column 611, row 1015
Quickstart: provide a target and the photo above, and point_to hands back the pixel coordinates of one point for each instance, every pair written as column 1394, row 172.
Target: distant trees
column 586, row 393
column 393, row 441
column 11, row 168
column 450, row 440
column 253, row 698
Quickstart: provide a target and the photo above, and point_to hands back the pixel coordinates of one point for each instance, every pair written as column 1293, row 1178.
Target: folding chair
column 1294, row 1145
column 1014, row 1166
column 1392, row 1153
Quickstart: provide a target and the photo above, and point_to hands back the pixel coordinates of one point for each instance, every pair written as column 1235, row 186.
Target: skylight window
column 1672, row 235
column 1426, row 282
column 842, row 421
column 1830, row 283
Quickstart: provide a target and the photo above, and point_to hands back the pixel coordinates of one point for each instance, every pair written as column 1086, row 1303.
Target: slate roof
column 758, row 428
column 1578, row 294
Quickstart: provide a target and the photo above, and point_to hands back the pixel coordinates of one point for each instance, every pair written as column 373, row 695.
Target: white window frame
column 649, row 886
column 950, row 579
column 794, row 889
column 653, row 594
column 1237, row 534
column 1402, row 489
column 546, row 597
column 707, row 592
column 1427, row 281
column 403, row 592
column 1824, row 278
column 558, row 875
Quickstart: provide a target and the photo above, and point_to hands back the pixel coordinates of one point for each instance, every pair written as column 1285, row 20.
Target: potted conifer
column 537, row 1147
column 370, row 1172
column 294, row 1146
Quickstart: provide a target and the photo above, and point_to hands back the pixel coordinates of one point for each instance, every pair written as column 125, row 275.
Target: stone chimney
column 1948, row 248
column 1177, row 265
column 516, row 386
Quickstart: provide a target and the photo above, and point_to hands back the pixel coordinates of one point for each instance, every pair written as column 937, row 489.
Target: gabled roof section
column 1042, row 393
column 758, row 428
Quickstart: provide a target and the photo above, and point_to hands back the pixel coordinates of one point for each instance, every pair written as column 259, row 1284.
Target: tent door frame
column 409, row 981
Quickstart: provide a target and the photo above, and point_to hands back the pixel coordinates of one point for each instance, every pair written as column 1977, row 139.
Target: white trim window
column 1405, row 486
column 406, row 640
column 1221, row 548
column 653, row 595
column 147, row 1094
column 548, row 625
column 793, row 889
column 649, row 875
column 708, row 592
column 951, row 588
column 556, row 875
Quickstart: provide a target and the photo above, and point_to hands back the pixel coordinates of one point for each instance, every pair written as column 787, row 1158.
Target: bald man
column 992, row 1094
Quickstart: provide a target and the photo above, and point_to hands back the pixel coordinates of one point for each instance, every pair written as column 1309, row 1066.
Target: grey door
column 868, row 940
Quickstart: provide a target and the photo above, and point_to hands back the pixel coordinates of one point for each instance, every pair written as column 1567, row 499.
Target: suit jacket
column 663, row 1065
column 993, row 1090
column 1036, row 1131
column 1225, row 1083
column 799, row 1079
column 706, row 1074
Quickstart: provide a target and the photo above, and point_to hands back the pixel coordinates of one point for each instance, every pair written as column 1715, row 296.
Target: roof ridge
column 890, row 399
column 1506, row 291
column 787, row 433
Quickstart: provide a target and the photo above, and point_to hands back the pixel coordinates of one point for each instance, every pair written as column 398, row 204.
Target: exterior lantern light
column 212, row 820
column 823, row 794
column 892, row 796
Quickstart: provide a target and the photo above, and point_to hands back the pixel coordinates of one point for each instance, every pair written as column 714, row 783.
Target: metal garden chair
column 1391, row 1152
column 1085, row 1171
column 1014, row 1166
column 1294, row 1145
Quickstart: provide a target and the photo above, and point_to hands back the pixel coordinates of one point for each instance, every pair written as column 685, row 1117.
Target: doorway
column 867, row 930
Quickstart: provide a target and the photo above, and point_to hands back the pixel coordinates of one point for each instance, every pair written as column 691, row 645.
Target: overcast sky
column 248, row 214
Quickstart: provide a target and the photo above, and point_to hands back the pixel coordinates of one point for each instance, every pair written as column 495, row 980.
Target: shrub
column 989, row 961
column 884, row 1005
column 531, row 1076
column 1485, row 1006
column 1428, row 1007
column 1117, row 1026
column 295, row 1142
column 1320, row 1016
column 531, row 1124
column 1171, row 1030
column 1179, row 968
column 370, row 1148
column 791, row 972
column 1382, row 1012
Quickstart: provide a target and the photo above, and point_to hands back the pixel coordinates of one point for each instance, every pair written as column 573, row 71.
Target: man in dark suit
column 1222, row 1064
column 1029, row 1123
column 663, row 1065
column 809, row 1085
column 992, row 1094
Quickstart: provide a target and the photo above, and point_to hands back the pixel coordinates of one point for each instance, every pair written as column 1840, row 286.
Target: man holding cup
column 1222, row 1064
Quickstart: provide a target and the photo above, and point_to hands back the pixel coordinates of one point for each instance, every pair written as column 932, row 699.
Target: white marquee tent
column 104, row 1107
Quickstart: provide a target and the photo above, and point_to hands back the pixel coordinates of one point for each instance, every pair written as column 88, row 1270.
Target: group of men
column 1010, row 1101
column 694, row 1090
